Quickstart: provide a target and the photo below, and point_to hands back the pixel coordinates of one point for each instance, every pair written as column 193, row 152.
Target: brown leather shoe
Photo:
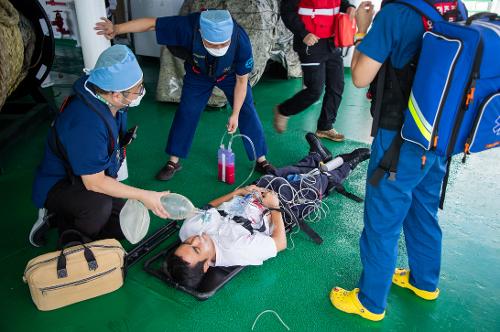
column 331, row 134
column 280, row 120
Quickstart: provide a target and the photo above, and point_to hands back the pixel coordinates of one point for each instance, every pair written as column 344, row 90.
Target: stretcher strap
column 301, row 224
column 341, row 190
column 310, row 232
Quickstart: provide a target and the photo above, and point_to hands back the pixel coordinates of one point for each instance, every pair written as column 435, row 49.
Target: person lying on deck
column 246, row 226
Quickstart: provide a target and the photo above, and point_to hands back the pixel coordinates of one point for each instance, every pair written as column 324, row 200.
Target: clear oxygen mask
column 178, row 207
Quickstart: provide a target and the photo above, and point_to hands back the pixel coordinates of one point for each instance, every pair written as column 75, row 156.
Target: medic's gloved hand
column 129, row 136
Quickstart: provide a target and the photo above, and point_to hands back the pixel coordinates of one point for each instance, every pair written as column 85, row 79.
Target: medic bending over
column 217, row 53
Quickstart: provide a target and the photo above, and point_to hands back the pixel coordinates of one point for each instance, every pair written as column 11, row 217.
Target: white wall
column 496, row 6
column 145, row 43
column 68, row 15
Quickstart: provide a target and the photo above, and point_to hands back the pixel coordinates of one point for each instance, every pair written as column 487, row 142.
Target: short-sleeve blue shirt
column 86, row 139
column 179, row 31
column 396, row 32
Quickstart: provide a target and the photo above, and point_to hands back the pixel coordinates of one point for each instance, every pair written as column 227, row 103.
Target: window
column 476, row 6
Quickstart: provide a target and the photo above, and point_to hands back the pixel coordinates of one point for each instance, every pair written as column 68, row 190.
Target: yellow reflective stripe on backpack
column 422, row 124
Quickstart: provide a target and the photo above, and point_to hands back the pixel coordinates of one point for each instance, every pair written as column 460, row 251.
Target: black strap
column 310, row 232
column 301, row 223
column 379, row 93
column 72, row 234
column 345, row 51
column 341, row 190
column 388, row 163
column 57, row 147
column 244, row 222
column 480, row 15
column 445, row 184
column 247, row 224
column 111, row 141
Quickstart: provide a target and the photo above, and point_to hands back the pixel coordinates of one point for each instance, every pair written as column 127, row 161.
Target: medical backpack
column 454, row 103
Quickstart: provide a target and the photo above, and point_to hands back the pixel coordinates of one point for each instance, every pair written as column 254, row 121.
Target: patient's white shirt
column 234, row 244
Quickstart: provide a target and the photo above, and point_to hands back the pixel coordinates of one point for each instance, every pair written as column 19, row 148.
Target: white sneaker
column 39, row 228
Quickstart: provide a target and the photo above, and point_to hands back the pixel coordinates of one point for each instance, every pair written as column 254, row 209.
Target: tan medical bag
column 75, row 274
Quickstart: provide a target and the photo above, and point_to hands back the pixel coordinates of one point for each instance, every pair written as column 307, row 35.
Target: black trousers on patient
column 312, row 188
column 95, row 215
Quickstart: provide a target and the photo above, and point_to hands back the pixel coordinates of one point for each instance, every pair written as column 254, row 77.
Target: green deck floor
column 296, row 283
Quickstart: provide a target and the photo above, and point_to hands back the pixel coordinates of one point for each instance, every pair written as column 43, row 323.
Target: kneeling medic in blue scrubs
column 217, row 52
column 76, row 180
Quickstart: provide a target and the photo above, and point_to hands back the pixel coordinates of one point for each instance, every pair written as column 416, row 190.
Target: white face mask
column 136, row 101
column 132, row 103
column 217, row 51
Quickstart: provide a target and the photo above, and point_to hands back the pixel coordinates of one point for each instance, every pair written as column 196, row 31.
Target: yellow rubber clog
column 401, row 278
column 347, row 301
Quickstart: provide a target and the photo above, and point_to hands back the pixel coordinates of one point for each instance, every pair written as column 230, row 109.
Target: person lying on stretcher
column 247, row 226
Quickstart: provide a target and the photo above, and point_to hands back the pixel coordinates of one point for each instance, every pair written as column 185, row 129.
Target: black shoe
column 355, row 157
column 39, row 229
column 168, row 171
column 264, row 167
column 316, row 146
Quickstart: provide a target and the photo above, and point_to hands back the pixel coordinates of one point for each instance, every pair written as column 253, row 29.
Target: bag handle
column 478, row 16
column 81, row 238
column 61, row 260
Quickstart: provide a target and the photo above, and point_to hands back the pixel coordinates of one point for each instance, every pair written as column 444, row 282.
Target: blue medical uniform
column 203, row 73
column 411, row 201
column 86, row 139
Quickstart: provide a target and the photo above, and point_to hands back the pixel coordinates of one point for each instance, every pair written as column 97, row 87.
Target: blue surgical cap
column 216, row 26
column 116, row 69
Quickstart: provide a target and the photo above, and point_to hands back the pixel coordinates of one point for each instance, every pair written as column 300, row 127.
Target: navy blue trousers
column 316, row 186
column 195, row 94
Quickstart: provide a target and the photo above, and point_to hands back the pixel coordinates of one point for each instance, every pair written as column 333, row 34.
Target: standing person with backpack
column 76, row 180
column 410, row 200
column 217, row 52
column 312, row 25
